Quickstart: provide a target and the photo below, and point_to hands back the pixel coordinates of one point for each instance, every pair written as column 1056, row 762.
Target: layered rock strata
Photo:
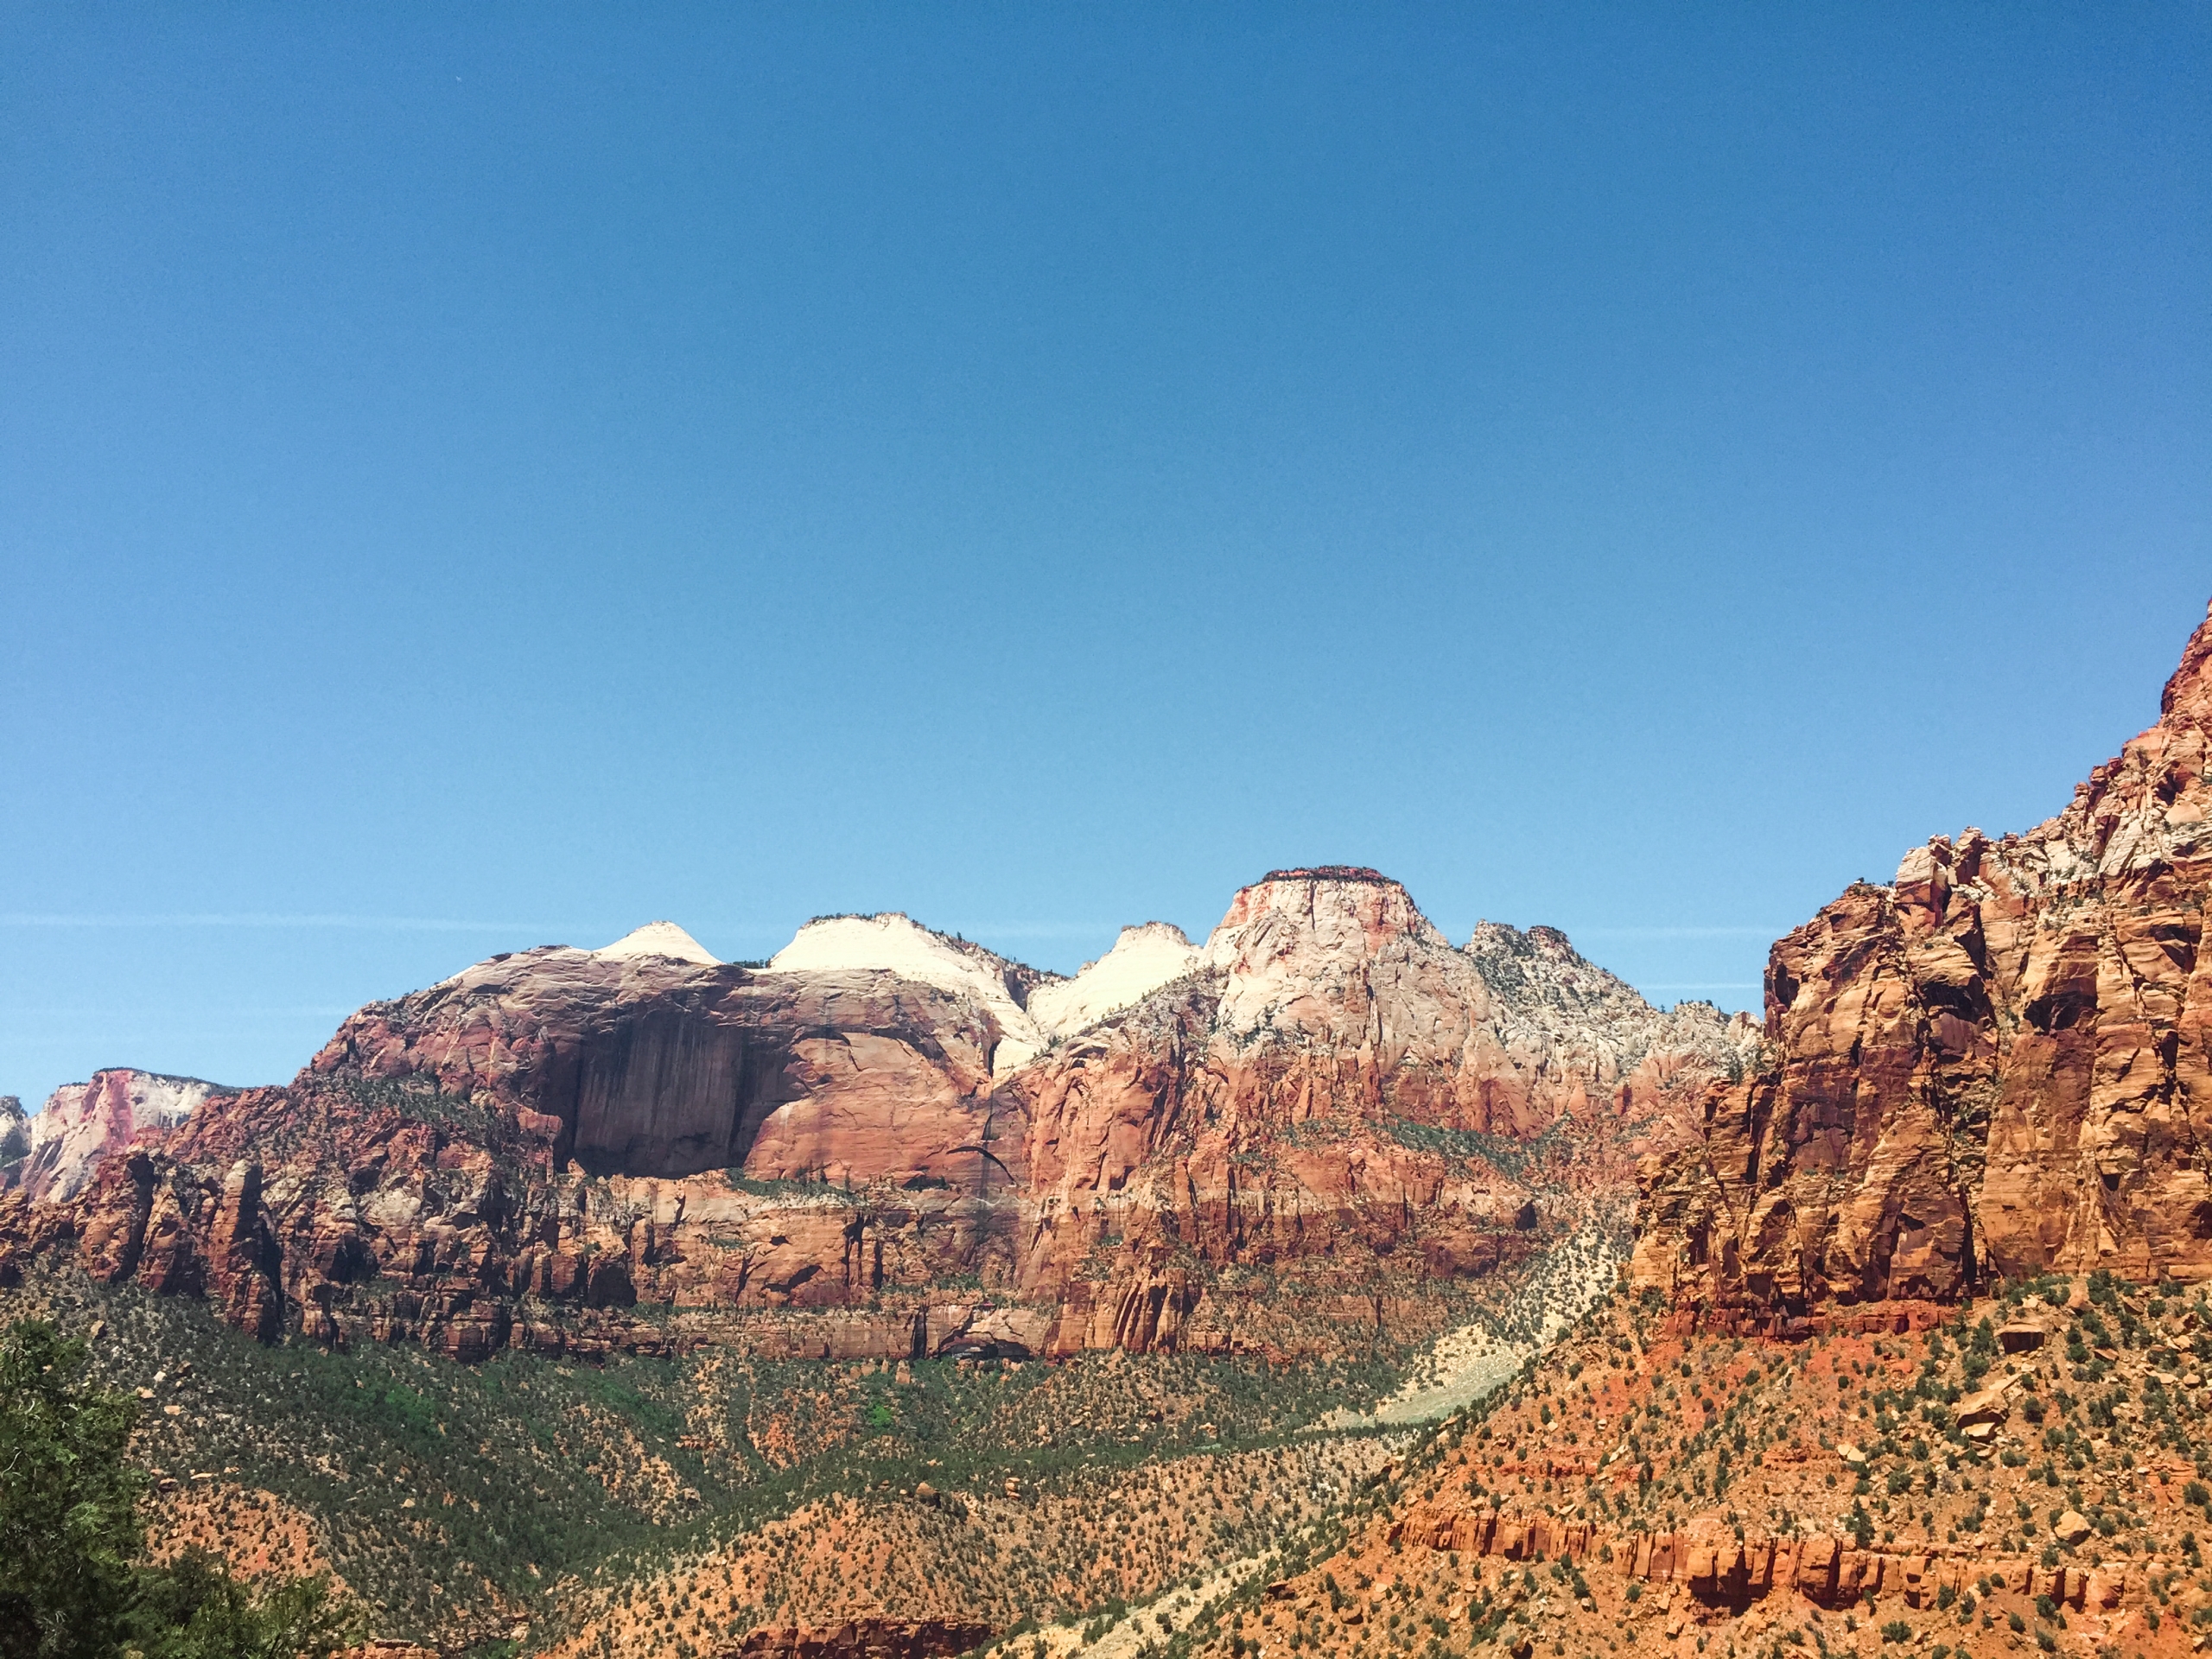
column 1721, row 1566
column 862, row 1638
column 891, row 1143
column 2000, row 1063
column 1642, row 1486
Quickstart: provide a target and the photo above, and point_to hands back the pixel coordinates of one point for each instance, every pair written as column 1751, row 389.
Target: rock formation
column 890, row 1142
column 82, row 1123
column 862, row 1638
column 1995, row 1065
column 897, row 945
column 1142, row 960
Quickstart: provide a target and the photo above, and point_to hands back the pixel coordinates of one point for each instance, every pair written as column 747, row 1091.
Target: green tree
column 69, row 1532
column 194, row 1609
column 69, row 1521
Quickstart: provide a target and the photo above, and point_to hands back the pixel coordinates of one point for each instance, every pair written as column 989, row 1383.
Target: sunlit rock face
column 1998, row 1063
column 920, row 1147
column 1142, row 960
column 654, row 1065
column 82, row 1123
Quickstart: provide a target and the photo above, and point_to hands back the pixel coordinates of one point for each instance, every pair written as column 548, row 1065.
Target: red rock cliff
column 2002, row 1062
column 825, row 1159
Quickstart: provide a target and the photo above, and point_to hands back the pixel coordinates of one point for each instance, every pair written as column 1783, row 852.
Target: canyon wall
column 890, row 1143
column 81, row 1122
column 1992, row 1066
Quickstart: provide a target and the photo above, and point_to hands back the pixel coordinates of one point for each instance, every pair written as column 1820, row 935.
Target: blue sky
column 474, row 477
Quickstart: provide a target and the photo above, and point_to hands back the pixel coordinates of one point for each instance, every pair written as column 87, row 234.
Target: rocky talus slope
column 2000, row 1062
column 890, row 1143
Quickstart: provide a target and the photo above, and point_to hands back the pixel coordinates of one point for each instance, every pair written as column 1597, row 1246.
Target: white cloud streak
column 278, row 919
column 1731, row 932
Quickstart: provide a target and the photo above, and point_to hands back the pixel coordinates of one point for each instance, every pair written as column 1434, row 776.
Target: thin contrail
column 1681, row 932
column 270, row 919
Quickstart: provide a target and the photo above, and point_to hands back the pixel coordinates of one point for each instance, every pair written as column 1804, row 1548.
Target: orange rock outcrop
column 1720, row 1568
column 863, row 1638
column 2000, row 1063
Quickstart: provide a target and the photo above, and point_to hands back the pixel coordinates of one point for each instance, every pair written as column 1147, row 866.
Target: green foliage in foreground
column 501, row 1482
column 71, row 1584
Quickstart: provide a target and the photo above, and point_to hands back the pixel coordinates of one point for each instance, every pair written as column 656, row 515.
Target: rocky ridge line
column 837, row 1161
column 2000, row 1062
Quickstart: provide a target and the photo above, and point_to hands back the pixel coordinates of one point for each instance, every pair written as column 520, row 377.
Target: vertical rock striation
column 83, row 1122
column 2000, row 1062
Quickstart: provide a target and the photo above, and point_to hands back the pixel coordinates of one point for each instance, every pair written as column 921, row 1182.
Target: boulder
column 1989, row 1406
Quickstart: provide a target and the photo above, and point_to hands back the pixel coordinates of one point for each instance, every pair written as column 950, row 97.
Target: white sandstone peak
column 84, row 1121
column 658, row 939
column 895, row 942
column 1142, row 960
column 1301, row 947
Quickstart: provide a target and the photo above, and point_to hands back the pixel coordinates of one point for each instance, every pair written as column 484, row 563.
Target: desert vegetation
column 2029, row 1471
column 527, row 1500
column 76, row 1579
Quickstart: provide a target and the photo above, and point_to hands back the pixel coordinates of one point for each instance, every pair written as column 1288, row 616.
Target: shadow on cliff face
column 669, row 1093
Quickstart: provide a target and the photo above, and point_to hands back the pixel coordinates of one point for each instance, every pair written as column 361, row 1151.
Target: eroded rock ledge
column 1998, row 1064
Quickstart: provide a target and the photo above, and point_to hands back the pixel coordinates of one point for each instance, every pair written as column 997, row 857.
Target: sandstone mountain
column 1321, row 1124
column 890, row 1142
column 1998, row 1064
column 82, row 1123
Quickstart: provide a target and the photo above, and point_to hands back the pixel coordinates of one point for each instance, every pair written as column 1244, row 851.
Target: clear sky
column 480, row 476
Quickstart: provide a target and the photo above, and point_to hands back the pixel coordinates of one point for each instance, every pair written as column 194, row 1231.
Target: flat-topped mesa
column 1342, row 955
column 1995, row 1066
